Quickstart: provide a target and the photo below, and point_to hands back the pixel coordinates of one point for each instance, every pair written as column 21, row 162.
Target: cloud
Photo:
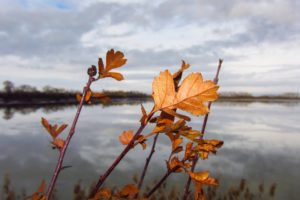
column 57, row 40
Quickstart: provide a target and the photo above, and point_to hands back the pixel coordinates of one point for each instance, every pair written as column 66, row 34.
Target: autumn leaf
column 58, row 143
column 88, row 95
column 188, row 151
column 163, row 90
column 115, row 75
column 203, row 178
column 38, row 195
column 193, row 92
column 176, row 145
column 126, row 137
column 114, row 60
column 191, row 134
column 205, row 147
column 103, row 193
column 54, row 130
column 175, row 114
column 177, row 75
column 78, row 97
column 127, row 190
column 174, row 163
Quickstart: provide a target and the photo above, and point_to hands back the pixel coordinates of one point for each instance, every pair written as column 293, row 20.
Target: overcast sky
column 52, row 42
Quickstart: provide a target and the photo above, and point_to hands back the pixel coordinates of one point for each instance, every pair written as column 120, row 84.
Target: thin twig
column 103, row 177
column 59, row 165
column 187, row 186
column 147, row 163
column 167, row 174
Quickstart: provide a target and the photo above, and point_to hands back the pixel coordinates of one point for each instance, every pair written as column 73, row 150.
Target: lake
column 261, row 145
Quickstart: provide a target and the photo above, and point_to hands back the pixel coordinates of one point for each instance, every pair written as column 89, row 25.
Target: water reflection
column 261, row 146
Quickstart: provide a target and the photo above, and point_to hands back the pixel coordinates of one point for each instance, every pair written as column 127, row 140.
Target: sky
column 52, row 42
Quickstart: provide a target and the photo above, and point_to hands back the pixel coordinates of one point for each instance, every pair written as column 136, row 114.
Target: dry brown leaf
column 163, row 90
column 126, row 137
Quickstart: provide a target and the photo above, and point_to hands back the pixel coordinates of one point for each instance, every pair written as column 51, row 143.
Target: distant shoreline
column 40, row 99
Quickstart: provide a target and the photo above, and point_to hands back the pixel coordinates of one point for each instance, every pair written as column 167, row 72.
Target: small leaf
column 46, row 124
column 126, row 137
column 100, row 66
column 115, row 75
column 103, row 193
column 174, row 163
column 61, row 129
column 175, row 114
column 199, row 176
column 130, row 189
column 78, row 97
column 42, row 187
column 88, row 95
column 114, row 60
column 58, row 143
column 176, row 145
column 188, row 150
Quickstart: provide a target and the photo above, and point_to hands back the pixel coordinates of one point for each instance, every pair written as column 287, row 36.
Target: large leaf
column 163, row 90
column 193, row 92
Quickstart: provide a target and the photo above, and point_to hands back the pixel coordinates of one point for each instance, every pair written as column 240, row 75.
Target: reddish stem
column 146, row 164
column 187, row 186
column 120, row 157
column 167, row 174
column 59, row 165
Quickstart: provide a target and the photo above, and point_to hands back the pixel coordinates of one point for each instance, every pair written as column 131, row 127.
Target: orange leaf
column 188, row 150
column 130, row 189
column 203, row 178
column 175, row 114
column 42, row 187
column 177, row 75
column 176, row 145
column 88, row 95
column 174, row 163
column 46, row 124
column 61, row 129
column 163, row 90
column 193, row 92
column 115, row 75
column 126, row 137
column 58, row 143
column 78, row 97
column 114, row 60
column 100, row 66
column 103, row 193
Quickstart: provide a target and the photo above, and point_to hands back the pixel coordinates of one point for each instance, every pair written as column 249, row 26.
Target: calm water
column 262, row 145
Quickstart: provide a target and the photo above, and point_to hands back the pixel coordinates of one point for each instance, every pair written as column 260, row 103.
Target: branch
column 187, row 186
column 59, row 165
column 121, row 156
column 146, row 164
column 167, row 174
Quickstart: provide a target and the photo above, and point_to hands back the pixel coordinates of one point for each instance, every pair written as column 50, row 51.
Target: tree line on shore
column 28, row 93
